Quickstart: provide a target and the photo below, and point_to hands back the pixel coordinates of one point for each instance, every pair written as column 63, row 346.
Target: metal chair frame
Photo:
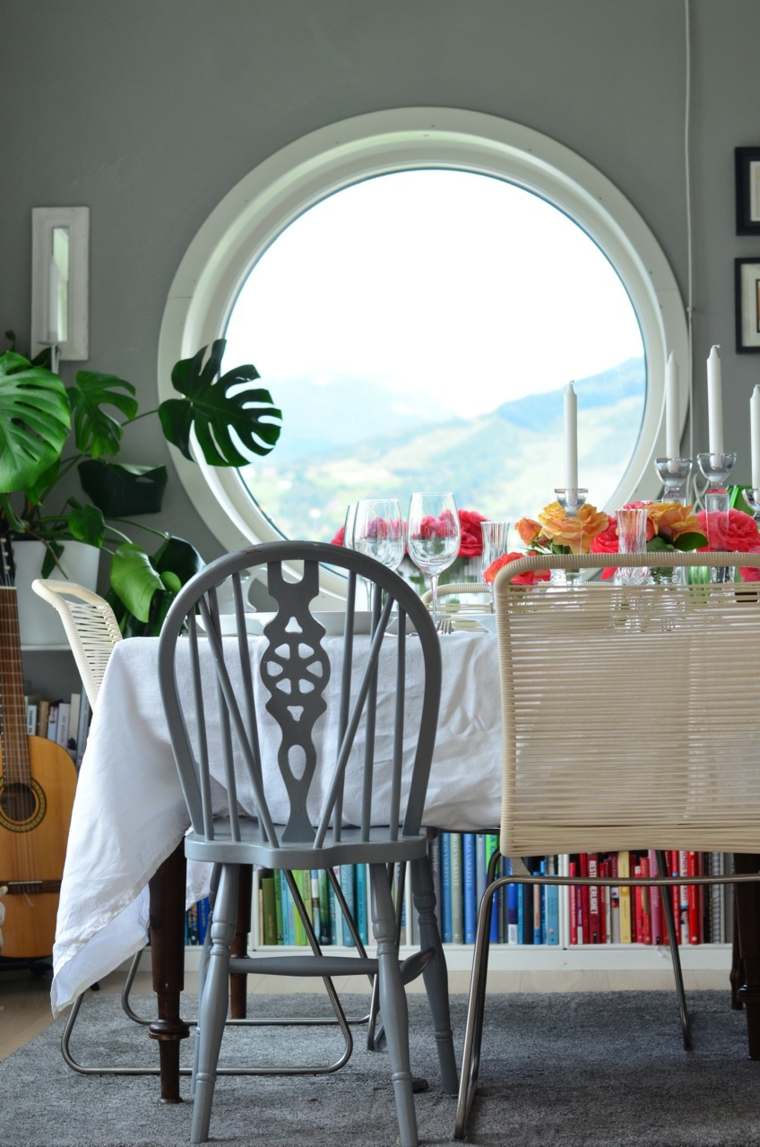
column 471, row 1055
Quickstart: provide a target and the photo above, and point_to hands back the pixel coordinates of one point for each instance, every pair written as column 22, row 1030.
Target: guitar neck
column 16, row 766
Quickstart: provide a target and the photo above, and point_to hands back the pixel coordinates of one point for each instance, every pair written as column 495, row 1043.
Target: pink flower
column 733, row 532
column 471, row 545
column 530, row 577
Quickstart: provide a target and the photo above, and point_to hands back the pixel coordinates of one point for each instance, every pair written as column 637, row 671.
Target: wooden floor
column 25, row 1002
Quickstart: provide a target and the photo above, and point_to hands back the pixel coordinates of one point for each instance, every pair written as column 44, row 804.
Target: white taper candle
column 754, row 423
column 672, row 444
column 54, row 279
column 571, row 438
column 714, row 402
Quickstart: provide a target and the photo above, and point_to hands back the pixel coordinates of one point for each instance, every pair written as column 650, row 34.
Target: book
column 346, row 875
column 446, row 915
column 268, row 930
column 62, row 724
column 468, row 883
column 362, row 877
column 52, row 722
column 42, row 718
column 624, row 870
column 491, row 844
column 74, row 706
column 457, row 925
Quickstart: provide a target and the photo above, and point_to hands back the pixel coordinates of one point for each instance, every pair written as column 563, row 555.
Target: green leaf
column 86, row 524
column 178, row 557
column 97, row 432
column 134, row 579
column 216, row 407
column 171, row 581
column 658, row 545
column 692, row 541
column 34, row 421
column 120, row 490
column 35, row 492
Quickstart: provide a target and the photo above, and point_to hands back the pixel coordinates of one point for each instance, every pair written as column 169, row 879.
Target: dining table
column 125, row 877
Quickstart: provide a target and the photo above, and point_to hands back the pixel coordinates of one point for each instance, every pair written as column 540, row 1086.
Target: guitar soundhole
column 20, row 804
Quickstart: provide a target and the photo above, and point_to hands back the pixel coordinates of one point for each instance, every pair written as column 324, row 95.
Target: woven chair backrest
column 631, row 713
column 90, row 626
column 282, row 684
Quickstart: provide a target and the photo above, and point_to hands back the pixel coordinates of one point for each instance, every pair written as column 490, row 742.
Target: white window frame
column 292, row 180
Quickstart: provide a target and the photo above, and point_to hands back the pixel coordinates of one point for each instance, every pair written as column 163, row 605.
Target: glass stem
column 434, row 596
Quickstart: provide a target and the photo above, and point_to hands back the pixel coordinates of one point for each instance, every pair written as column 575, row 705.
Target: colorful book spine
column 468, row 882
column 362, row 877
column 446, row 913
column 457, row 913
column 491, row 843
column 347, row 888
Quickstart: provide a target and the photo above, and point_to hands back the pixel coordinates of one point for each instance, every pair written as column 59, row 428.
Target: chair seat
column 351, row 849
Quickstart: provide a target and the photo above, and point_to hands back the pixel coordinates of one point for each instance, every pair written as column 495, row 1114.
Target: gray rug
column 601, row 1070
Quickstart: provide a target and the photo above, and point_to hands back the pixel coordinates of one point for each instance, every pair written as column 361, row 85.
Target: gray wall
column 150, row 110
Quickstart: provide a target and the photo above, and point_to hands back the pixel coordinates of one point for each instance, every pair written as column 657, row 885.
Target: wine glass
column 434, row 537
column 379, row 531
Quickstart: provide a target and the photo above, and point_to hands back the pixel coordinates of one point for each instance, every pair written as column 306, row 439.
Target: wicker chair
column 639, row 655
column 89, row 624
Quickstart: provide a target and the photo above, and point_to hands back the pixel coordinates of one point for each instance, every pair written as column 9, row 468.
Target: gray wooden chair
column 293, row 672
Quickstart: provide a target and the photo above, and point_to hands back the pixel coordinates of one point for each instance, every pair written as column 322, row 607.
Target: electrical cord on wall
column 689, row 239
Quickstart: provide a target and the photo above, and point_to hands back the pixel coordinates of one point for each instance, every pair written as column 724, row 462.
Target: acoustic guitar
column 37, row 782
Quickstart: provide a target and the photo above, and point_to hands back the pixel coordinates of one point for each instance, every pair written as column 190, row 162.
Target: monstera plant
column 47, row 430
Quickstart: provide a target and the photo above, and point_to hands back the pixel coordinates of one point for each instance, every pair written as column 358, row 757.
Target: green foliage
column 214, row 407
column 34, row 421
column 37, row 413
column 96, row 432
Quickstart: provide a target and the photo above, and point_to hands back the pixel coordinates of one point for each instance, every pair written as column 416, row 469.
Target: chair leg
column 435, row 974
column 393, row 1003
column 212, row 1009
column 473, row 1033
column 667, row 904
column 375, row 1032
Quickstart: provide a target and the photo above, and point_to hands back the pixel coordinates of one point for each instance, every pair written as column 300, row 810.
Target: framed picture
column 747, row 304
column 747, row 161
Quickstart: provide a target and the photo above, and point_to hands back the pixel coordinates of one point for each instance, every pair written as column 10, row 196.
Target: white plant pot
column 39, row 623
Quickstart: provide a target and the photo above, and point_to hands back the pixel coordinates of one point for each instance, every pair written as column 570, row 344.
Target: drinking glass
column 379, row 530
column 434, row 537
column 632, row 539
column 495, row 542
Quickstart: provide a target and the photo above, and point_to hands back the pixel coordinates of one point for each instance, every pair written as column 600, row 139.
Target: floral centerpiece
column 556, row 532
column 670, row 526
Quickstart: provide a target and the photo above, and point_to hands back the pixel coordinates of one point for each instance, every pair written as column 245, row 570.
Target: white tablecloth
column 129, row 814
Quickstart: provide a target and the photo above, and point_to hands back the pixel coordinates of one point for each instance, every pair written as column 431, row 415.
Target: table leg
column 167, row 947
column 748, row 926
column 239, row 947
column 737, row 971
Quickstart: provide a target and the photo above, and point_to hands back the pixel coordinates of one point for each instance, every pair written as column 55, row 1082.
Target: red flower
column 750, row 573
column 471, row 545
column 530, row 577
column 733, row 532
column 340, row 537
column 607, row 541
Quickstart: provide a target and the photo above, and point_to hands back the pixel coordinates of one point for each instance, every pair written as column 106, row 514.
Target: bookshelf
column 562, row 956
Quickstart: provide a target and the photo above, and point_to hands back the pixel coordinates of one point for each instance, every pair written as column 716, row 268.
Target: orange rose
column 671, row 519
column 576, row 533
column 528, row 529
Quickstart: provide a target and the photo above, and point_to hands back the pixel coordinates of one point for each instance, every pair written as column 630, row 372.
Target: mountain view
column 342, row 441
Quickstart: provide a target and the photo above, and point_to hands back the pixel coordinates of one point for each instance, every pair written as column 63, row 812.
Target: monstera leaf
column 145, row 586
column 215, row 406
column 97, row 432
column 34, row 421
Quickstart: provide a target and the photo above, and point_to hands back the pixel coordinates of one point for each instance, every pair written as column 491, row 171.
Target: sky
column 453, row 291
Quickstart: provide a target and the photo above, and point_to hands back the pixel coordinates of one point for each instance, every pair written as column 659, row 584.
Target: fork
column 444, row 626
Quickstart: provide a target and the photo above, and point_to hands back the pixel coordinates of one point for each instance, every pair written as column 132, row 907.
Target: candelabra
column 674, row 473
column 571, row 499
